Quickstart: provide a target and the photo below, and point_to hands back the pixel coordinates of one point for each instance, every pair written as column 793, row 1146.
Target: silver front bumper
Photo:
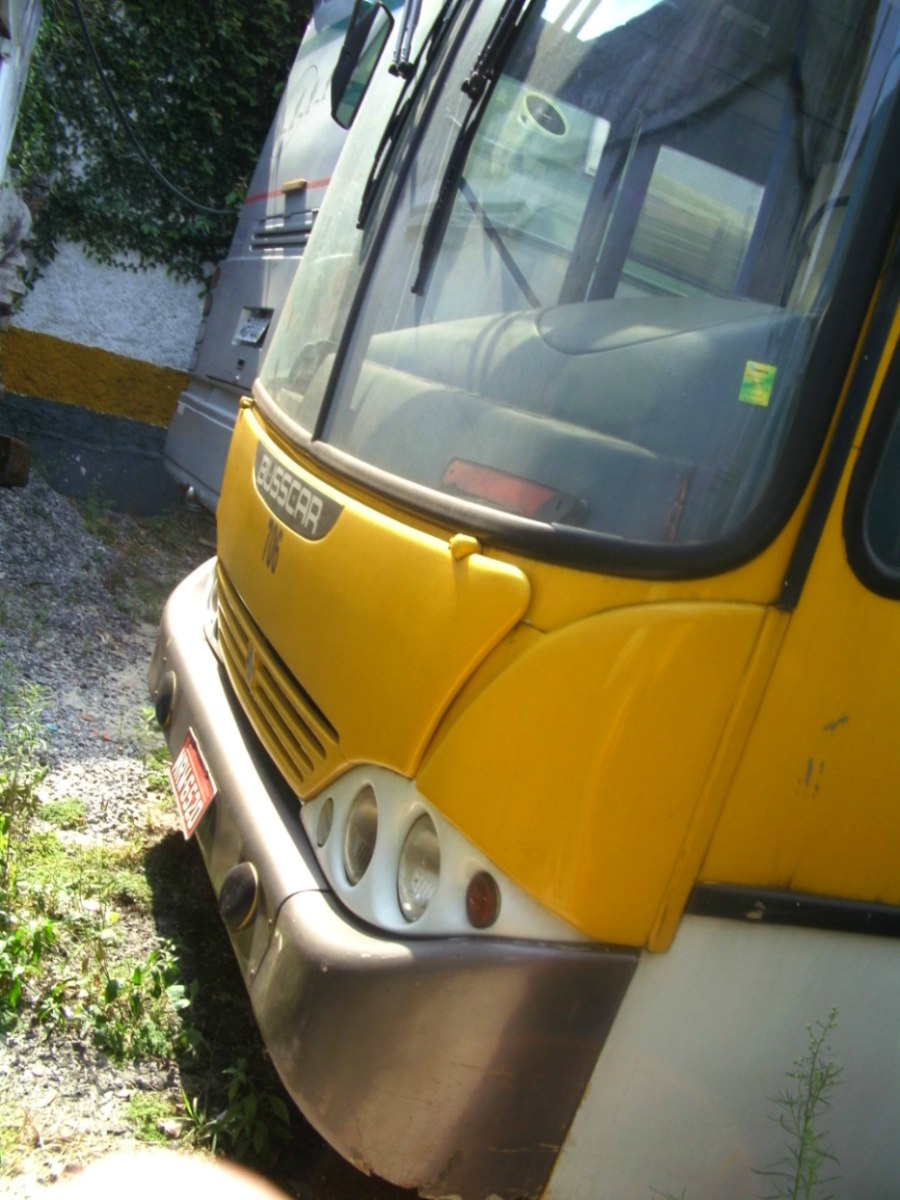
column 451, row 1065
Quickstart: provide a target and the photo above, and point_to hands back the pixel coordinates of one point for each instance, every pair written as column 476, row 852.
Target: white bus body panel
column 705, row 1038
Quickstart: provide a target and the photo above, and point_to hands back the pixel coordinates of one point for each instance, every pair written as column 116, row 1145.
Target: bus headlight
column 325, row 821
column 419, row 868
column 360, row 834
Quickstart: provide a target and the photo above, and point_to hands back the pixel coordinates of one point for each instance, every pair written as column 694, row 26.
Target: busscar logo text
column 289, row 495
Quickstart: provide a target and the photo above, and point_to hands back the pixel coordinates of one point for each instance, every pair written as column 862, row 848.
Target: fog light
column 165, row 700
column 360, row 834
column 239, row 896
column 419, row 868
column 482, row 900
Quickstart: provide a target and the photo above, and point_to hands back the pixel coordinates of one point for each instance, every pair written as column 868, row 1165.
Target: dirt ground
column 80, row 596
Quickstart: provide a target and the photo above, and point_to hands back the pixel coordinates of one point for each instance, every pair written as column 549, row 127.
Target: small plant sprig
column 804, row 1169
column 809, row 1163
column 23, row 946
column 22, row 746
column 252, row 1124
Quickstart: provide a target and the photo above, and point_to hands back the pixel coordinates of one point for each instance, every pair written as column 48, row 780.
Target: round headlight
column 359, row 836
column 419, row 869
column 324, row 822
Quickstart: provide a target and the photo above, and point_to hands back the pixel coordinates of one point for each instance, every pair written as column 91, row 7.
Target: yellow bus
column 538, row 717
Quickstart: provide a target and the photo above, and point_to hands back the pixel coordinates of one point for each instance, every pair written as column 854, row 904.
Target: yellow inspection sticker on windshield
column 757, row 384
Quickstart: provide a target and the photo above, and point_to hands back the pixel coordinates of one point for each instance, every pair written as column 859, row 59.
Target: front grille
column 301, row 740
column 283, row 233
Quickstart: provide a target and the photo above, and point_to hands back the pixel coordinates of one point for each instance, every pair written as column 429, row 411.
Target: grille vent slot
column 300, row 738
column 288, row 234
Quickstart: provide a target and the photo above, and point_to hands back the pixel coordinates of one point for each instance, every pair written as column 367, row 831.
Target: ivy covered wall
column 110, row 320
column 198, row 83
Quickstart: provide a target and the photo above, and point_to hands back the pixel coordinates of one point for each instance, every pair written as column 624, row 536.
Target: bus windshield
column 599, row 291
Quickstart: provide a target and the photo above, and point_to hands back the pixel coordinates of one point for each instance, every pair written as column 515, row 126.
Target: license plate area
column 253, row 326
column 192, row 784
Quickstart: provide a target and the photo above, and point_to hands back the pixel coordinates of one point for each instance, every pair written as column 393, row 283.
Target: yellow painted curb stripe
column 36, row 364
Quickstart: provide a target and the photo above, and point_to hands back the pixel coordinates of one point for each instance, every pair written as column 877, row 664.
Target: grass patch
column 253, row 1123
column 151, row 554
column 155, row 1117
column 155, row 754
column 75, row 874
column 64, row 814
column 16, row 1133
column 76, row 961
column 101, row 944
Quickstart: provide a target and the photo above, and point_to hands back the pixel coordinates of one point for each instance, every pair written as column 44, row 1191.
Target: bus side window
column 881, row 525
column 872, row 520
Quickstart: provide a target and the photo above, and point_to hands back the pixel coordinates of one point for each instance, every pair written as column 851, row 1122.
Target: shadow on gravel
column 185, row 912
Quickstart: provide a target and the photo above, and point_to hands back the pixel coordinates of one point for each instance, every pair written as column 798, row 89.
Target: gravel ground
column 68, row 623
column 80, row 597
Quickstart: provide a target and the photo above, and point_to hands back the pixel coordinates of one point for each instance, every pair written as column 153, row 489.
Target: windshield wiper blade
column 495, row 49
column 478, row 86
column 408, row 73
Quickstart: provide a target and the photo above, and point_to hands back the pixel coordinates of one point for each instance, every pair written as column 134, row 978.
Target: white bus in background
column 19, row 21
column 249, row 287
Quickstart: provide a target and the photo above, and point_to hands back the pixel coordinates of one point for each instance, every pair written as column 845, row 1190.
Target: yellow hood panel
column 378, row 623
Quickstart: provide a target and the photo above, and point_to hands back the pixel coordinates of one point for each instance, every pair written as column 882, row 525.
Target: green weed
column 131, row 1008
column 150, row 554
column 96, row 512
column 22, row 747
column 74, row 875
column 809, row 1163
column 16, row 1130
column 65, row 960
column 252, row 1125
column 155, row 754
column 23, row 949
column 60, row 953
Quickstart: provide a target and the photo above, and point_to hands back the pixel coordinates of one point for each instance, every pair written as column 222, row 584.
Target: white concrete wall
column 146, row 315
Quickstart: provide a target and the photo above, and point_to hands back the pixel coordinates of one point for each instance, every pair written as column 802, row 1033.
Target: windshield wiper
column 402, row 63
column 478, row 86
column 404, row 67
column 496, row 48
